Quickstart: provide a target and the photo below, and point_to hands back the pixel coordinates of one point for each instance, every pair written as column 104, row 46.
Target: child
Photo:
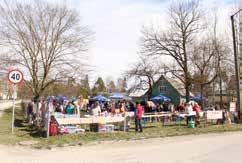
column 54, row 126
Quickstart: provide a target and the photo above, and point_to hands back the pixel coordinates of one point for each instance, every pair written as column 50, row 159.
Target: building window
column 162, row 82
column 163, row 89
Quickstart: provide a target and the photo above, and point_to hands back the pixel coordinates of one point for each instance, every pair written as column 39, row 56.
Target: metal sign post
column 15, row 77
column 13, row 111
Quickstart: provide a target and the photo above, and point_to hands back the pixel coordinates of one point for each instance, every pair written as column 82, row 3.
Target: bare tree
column 121, row 85
column 184, row 24
column 225, row 62
column 46, row 40
column 211, row 59
column 205, row 64
column 144, row 73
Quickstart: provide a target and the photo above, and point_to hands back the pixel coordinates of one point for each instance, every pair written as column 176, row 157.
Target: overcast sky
column 117, row 25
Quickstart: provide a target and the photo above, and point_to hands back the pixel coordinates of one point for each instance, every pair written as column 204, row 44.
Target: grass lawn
column 23, row 132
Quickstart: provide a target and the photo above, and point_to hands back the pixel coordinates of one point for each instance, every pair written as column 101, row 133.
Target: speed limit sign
column 15, row 76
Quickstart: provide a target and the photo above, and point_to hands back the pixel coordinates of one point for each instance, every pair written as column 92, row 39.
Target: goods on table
column 71, row 130
column 106, row 128
column 61, row 115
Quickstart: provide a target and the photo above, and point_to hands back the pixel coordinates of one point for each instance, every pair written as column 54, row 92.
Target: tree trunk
column 214, row 93
column 149, row 94
column 186, row 73
column 220, row 91
column 187, row 93
column 187, row 84
column 150, row 88
column 201, row 94
column 36, row 101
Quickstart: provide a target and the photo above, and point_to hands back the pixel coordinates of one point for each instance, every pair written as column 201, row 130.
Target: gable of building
column 164, row 85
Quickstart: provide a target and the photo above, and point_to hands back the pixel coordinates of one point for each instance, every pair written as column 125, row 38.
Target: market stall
column 119, row 96
column 161, row 98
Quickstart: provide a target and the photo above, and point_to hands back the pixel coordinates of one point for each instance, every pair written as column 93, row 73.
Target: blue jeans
column 138, row 125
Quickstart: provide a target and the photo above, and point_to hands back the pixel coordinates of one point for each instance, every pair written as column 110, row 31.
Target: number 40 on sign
column 15, row 76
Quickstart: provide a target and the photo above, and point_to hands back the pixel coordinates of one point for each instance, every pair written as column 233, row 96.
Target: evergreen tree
column 111, row 87
column 85, row 89
column 99, row 86
column 85, row 83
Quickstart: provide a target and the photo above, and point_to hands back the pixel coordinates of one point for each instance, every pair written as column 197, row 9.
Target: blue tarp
column 50, row 98
column 161, row 98
column 59, row 99
column 198, row 98
column 118, row 96
column 99, row 98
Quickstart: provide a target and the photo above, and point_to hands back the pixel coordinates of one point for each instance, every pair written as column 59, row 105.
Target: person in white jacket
column 96, row 111
column 189, row 111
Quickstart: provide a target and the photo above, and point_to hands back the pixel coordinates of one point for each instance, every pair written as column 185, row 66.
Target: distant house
column 227, row 97
column 139, row 94
column 228, row 93
column 169, row 87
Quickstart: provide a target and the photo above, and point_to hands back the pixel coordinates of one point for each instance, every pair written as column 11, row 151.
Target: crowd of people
column 77, row 107
column 114, row 107
column 64, row 106
column 119, row 107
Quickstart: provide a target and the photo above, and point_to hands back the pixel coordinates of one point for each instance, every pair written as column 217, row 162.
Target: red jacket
column 140, row 111
column 53, row 128
column 196, row 108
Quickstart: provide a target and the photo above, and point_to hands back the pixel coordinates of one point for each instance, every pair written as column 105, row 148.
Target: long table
column 166, row 115
column 157, row 115
column 111, row 119
column 89, row 120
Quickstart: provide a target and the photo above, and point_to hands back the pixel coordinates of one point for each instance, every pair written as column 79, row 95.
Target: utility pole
column 236, row 63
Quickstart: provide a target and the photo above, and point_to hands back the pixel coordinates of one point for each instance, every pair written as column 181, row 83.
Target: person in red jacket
column 181, row 107
column 54, row 126
column 196, row 108
column 138, row 117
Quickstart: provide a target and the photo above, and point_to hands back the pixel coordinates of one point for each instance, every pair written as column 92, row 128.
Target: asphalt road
column 211, row 148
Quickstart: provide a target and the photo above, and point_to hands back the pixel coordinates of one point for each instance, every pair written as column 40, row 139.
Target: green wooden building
column 169, row 87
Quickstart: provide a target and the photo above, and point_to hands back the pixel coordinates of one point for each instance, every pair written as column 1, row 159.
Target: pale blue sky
column 117, row 25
